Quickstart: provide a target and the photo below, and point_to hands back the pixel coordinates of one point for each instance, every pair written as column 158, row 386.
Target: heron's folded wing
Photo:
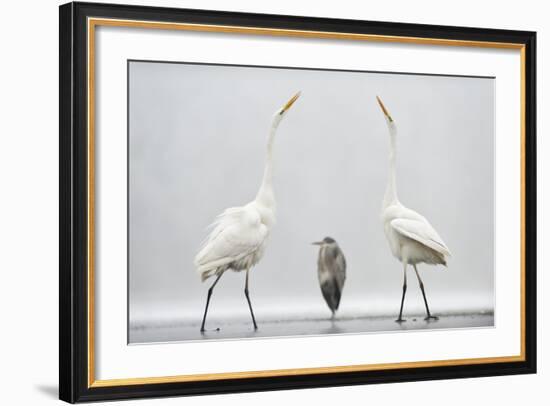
column 340, row 268
column 421, row 231
column 334, row 261
column 236, row 234
column 331, row 293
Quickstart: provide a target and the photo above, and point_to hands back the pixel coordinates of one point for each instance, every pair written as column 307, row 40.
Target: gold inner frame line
column 94, row 22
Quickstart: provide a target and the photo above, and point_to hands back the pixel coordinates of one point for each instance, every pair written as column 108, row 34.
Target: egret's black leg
column 248, row 300
column 400, row 319
column 429, row 316
column 210, row 290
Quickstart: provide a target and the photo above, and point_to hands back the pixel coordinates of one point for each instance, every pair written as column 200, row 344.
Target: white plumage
column 239, row 235
column 237, row 240
column 411, row 237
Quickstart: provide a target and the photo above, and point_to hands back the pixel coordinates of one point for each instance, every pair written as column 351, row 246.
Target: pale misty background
column 197, row 137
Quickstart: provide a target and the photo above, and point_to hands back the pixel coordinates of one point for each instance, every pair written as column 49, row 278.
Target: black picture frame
column 73, row 196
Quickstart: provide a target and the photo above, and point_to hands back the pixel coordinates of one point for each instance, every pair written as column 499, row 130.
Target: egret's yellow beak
column 384, row 109
column 290, row 102
column 317, row 243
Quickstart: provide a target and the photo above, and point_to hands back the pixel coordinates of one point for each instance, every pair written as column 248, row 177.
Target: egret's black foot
column 400, row 320
column 428, row 318
column 203, row 330
column 255, row 327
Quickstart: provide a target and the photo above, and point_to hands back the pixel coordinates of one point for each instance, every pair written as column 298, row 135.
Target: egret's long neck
column 391, row 188
column 265, row 195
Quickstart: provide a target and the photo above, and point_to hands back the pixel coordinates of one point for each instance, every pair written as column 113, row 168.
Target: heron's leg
column 429, row 316
column 210, row 290
column 248, row 300
column 400, row 319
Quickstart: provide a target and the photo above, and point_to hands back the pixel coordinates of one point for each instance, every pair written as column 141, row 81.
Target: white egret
column 331, row 270
column 239, row 235
column 411, row 237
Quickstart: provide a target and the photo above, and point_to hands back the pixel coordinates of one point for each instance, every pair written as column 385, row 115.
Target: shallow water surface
column 222, row 330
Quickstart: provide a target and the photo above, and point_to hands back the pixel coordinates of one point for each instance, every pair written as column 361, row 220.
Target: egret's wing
column 237, row 232
column 422, row 231
column 223, row 220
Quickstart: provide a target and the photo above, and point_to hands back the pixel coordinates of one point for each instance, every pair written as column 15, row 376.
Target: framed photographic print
column 257, row 202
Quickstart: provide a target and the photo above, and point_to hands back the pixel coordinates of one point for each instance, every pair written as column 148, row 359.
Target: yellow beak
column 384, row 109
column 291, row 101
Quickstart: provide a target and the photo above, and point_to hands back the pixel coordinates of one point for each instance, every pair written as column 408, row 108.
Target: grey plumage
column 331, row 270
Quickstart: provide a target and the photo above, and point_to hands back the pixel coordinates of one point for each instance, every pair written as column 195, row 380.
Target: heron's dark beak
column 290, row 102
column 384, row 109
column 317, row 243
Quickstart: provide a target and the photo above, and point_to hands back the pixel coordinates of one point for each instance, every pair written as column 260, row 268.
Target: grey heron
column 239, row 235
column 331, row 271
